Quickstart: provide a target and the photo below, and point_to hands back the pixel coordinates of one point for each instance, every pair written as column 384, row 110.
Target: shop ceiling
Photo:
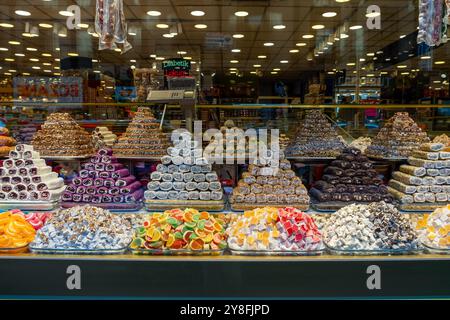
column 398, row 18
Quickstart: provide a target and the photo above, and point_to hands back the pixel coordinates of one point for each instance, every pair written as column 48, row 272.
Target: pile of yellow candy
column 15, row 231
column 180, row 229
column 434, row 229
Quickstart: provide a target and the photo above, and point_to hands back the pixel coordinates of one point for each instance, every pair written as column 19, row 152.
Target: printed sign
column 46, row 89
column 125, row 93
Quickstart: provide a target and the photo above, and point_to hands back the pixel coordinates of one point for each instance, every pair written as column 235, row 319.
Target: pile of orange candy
column 15, row 230
column 180, row 229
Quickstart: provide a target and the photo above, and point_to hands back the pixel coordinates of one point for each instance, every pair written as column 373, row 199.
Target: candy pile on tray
column 373, row 227
column 84, row 228
column 61, row 136
column 426, row 177
column 177, row 229
column 434, row 229
column 143, row 137
column 316, row 137
column 398, row 138
column 274, row 229
column 103, row 180
column 24, row 176
column 36, row 219
column 6, row 142
column 102, row 137
column 350, row 178
column 15, row 230
column 361, row 143
column 444, row 139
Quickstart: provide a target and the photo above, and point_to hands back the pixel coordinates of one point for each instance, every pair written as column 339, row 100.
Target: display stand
column 239, row 207
column 112, row 207
column 29, row 205
column 421, row 207
column 162, row 205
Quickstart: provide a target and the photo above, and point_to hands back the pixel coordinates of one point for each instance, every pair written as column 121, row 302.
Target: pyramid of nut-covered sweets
column 398, row 138
column 266, row 184
column 61, row 136
column 103, row 180
column 184, row 174
column 143, row 137
column 426, row 177
column 24, row 176
column 350, row 178
column 316, row 137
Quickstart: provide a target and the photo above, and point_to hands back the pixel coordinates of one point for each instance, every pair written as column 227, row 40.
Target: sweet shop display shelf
column 139, row 276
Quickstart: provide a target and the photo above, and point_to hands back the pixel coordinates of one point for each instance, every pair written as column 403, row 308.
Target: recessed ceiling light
column 308, row 36
column 118, row 50
column 133, row 61
column 66, row 13
column 344, row 35
column 45, row 25
column 201, row 26
column 372, row 14
column 162, row 26
column 330, row 14
column 22, row 13
column 238, row 36
column 300, row 44
column 197, row 13
column 57, row 73
column 269, row 44
column 4, row 49
column 284, row 61
column 262, row 57
column 6, row 25
column 294, row 51
column 252, row 72
column 9, row 59
column 232, row 69
column 439, row 62
column 181, row 52
column 19, row 54
column 46, row 70
column 425, row 57
column 405, row 73
column 58, row 59
column 34, row 59
column 236, row 50
column 318, row 26
column 83, row 25
column 160, row 58
column 56, row 68
column 14, row 43
column 153, row 56
column 276, row 69
column 362, row 59
column 95, row 35
column 256, row 66
column 46, row 64
column 36, row 67
column 279, row 27
column 31, row 49
column 341, row 1
column 7, row 74
column 72, row 54
column 241, row 13
column 370, row 54
column 187, row 58
column 154, row 13
column 402, row 66
column 168, row 35
column 94, row 60
column 351, row 64
column 402, row 36
column 96, row 71
column 356, row 27
column 273, row 72
column 25, row 73
column 234, row 61
column 46, row 54
column 14, row 70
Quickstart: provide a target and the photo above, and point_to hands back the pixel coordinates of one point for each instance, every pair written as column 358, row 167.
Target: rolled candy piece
column 2, row 195
column 6, row 187
column 109, row 182
column 13, row 154
column 91, row 190
column 215, row 186
column 183, row 195
column 23, row 147
column 23, row 172
column 20, row 187
column 53, row 184
column 95, row 199
column 431, row 147
column 114, row 191
column 397, row 185
column 77, row 181
column 23, row 195
column 173, row 152
column 31, row 155
column 150, row 195
column 188, row 177
column 177, row 160
column 31, row 187
column 206, row 168
column 71, row 188
column 15, row 180
column 125, row 181
column 201, row 161
column 441, row 197
column 184, row 168
column 194, row 195
column 105, row 174
column 108, row 159
column 199, row 177
column 102, row 190
column 166, row 160
column 77, row 197
column 177, row 176
column 216, row 195
column 179, row 185
column 135, row 196
column 120, row 173
column 105, row 152
column 81, row 190
column 51, row 195
column 188, row 160
column 156, row 176
column 191, row 186
column 173, row 195
column 33, row 171
column 166, row 186
column 171, row 168
column 26, row 180
column 113, row 166
column 88, row 166
column 444, row 155
column 88, row 182
column 162, row 195
column 13, row 195
column 212, row 176
column 8, row 163
column 203, row 186
column 162, row 168
column 2, row 171
column 118, row 199
column 87, row 198
column 99, row 167
column 153, row 185
column 96, row 159
column 131, row 188
column 423, row 189
column 425, row 155
column 35, row 163
column 98, row 182
column 8, row 179
column 34, row 195
column 93, row 174
column 107, row 198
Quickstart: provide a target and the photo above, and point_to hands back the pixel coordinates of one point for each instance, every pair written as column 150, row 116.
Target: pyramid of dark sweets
column 143, row 137
column 316, row 137
column 398, row 138
column 103, row 180
column 60, row 135
column 426, row 177
column 265, row 185
column 350, row 178
column 184, row 174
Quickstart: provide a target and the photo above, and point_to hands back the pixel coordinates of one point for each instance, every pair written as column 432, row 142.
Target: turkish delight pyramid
column 264, row 185
column 316, row 137
column 103, row 180
column 184, row 177
column 350, row 178
column 60, row 135
column 426, row 177
column 143, row 137
column 24, row 176
column 398, row 138
column 7, row 143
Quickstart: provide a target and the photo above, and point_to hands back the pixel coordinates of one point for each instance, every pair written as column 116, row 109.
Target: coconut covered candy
column 373, row 227
column 398, row 138
column 143, row 137
column 316, row 137
column 350, row 178
column 61, row 136
column 426, row 177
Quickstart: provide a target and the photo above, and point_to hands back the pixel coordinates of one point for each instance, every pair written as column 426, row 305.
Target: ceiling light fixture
column 31, row 49
column 234, row 61
column 6, row 25
column 83, row 25
column 181, row 52
column 241, row 13
column 197, row 13
column 300, row 44
column 22, row 13
column 308, row 36
column 256, row 66
column 439, row 62
column 34, row 59
column 425, row 57
column 45, row 25
column 4, row 49
column 329, row 14
column 19, row 54
column 356, row 27
column 66, row 13
column 269, row 44
column 9, row 59
column 262, row 57
column 294, row 51
column 14, row 43
column 162, row 26
column 153, row 13
column 168, row 35
column 279, row 27
column 201, row 26
column 236, row 50
column 238, row 36
column 284, row 61
column 318, row 26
